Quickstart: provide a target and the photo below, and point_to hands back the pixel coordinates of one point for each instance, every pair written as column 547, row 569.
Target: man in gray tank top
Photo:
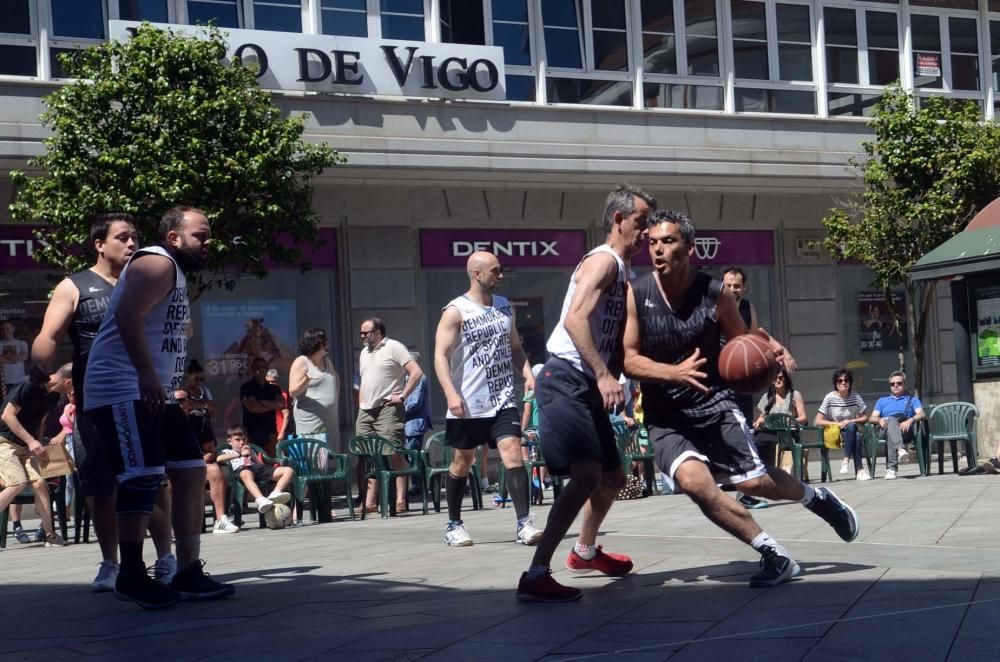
column 676, row 317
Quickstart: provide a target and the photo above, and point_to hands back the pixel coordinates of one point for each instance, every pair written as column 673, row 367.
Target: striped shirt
column 836, row 408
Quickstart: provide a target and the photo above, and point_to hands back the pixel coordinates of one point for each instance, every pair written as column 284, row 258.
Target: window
column 402, row 19
column 279, row 15
column 347, row 18
column 511, row 31
column 862, row 51
column 144, row 10
column 224, row 13
column 882, row 35
column 995, row 60
column 588, row 91
column 18, row 45
column 964, row 40
column 81, row 19
column 694, row 97
column 561, row 21
column 794, row 37
column 927, row 65
column 659, row 38
column 462, row 22
column 841, row 45
column 701, row 30
column 750, row 39
column 610, row 35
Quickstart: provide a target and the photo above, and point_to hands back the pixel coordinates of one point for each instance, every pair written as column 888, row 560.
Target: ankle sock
column 809, row 494
column 585, row 552
column 763, row 540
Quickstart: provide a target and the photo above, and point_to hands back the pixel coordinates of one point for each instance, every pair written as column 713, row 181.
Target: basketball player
column 700, row 436
column 136, row 363
column 77, row 307
column 576, row 390
column 476, row 353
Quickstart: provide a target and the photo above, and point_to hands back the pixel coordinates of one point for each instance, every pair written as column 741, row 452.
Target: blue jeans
column 852, row 444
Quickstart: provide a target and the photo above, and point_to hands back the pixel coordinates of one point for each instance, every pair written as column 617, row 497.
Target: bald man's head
column 484, row 269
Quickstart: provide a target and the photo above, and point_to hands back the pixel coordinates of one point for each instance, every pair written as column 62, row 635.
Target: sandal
column 402, row 506
column 371, row 509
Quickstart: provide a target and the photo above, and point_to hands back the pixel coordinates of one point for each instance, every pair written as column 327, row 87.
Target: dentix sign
column 355, row 65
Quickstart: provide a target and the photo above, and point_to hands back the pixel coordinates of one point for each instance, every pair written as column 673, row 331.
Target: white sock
column 585, row 552
column 809, row 494
column 763, row 540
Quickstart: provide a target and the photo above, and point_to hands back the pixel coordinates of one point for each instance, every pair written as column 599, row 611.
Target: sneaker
column 456, row 535
column 40, row 534
column 837, row 514
column 55, row 540
column 193, row 583
column 165, row 569
column 863, row 475
column 890, row 474
column 752, row 503
column 107, row 574
column 279, row 497
column 22, row 536
column 613, row 565
column 845, row 466
column 225, row 525
column 902, row 454
column 264, row 505
column 145, row 591
column 545, row 589
column 527, row 533
column 775, row 567
column 992, row 465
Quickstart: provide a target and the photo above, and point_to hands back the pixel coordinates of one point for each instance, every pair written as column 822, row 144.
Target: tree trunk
column 919, row 293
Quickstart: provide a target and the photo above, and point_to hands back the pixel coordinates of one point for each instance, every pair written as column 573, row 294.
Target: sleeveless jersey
column 111, row 377
column 482, row 368
column 607, row 321
column 670, row 336
column 92, row 303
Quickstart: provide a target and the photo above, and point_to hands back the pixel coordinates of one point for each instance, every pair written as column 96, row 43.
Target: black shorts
column 138, row 442
column 467, row 433
column 721, row 440
column 572, row 422
column 95, row 468
column 262, row 473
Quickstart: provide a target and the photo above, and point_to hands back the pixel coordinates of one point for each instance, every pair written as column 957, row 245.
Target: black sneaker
column 192, row 583
column 837, row 514
column 140, row 588
column 751, row 503
column 775, row 567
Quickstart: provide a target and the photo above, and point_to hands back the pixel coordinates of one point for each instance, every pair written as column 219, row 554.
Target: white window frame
column 518, row 69
column 943, row 16
column 67, row 43
column 34, row 39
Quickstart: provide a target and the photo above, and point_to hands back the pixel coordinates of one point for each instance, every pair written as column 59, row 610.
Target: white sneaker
column 279, row 497
column 107, row 574
column 863, row 475
column 845, row 466
column 456, row 536
column 264, row 505
column 890, row 474
column 902, row 454
column 225, row 525
column 165, row 568
column 527, row 532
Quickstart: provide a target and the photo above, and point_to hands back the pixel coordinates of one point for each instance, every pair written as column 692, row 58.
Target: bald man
column 477, row 352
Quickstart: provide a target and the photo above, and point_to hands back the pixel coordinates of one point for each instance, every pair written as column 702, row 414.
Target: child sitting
column 252, row 471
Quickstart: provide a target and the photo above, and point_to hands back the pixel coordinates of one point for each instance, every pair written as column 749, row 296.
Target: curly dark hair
column 843, row 373
column 312, row 341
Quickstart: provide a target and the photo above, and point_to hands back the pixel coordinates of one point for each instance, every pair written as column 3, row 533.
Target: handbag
column 832, row 438
column 633, row 489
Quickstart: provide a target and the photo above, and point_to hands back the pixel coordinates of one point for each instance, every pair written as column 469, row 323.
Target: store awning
column 974, row 250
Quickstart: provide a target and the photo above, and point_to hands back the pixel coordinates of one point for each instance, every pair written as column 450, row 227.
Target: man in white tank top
column 476, row 354
column 575, row 392
column 136, row 363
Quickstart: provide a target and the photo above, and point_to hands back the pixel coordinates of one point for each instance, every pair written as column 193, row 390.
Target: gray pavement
column 922, row 582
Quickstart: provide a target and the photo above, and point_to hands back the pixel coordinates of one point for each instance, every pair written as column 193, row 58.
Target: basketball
column 747, row 364
column 279, row 517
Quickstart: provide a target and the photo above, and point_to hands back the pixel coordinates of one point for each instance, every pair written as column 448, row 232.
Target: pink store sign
column 743, row 248
column 515, row 248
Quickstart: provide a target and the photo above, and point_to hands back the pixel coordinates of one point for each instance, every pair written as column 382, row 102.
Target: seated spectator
column 845, row 409
column 781, row 398
column 253, row 472
column 895, row 415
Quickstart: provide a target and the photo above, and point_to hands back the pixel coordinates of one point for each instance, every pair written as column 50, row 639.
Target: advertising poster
column 530, row 327
column 988, row 327
column 876, row 331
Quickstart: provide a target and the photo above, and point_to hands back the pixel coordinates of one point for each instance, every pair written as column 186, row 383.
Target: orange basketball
column 747, row 364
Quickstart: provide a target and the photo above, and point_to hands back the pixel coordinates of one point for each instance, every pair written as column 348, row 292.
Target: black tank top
column 670, row 336
column 93, row 303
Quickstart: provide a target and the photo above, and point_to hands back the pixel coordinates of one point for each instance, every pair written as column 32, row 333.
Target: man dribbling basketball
column 701, row 439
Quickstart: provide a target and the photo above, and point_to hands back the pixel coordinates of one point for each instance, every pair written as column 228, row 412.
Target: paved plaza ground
column 922, row 582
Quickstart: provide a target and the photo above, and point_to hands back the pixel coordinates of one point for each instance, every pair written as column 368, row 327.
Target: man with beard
column 136, row 363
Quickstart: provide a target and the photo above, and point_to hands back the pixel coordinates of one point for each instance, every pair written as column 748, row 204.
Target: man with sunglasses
column 895, row 414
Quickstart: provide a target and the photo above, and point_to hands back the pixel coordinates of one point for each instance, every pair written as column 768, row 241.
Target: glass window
column 598, row 92
column 55, row 66
column 610, row 36
column 346, row 18
column 697, row 97
column 83, row 19
column 143, row 10
column 659, row 46
column 18, row 60
column 794, row 37
column 841, row 33
column 462, row 22
column 964, row 53
column 951, row 4
column 995, row 59
column 563, row 44
column 224, row 13
column 846, row 104
column 520, row 88
column 403, row 19
column 750, row 39
column 17, row 19
column 280, row 15
column 510, row 31
column 926, row 32
column 775, row 101
column 883, row 47
column 702, row 38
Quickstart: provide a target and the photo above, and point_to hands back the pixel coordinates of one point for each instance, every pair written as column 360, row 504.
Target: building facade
column 503, row 124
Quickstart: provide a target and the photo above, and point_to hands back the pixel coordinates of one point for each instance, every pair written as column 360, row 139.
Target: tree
column 925, row 174
column 161, row 120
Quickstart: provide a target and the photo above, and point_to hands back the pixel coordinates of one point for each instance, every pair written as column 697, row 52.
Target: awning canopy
column 974, row 250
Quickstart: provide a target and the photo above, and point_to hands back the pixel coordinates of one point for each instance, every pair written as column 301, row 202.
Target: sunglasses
column 896, row 383
column 843, row 381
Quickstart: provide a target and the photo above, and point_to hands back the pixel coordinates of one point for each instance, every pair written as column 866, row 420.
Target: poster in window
column 877, row 331
column 988, row 327
column 530, row 327
column 928, row 64
column 235, row 333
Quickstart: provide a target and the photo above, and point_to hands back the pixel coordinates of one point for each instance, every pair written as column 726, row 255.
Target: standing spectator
column 13, row 354
column 282, row 418
column 315, row 385
column 260, row 401
column 895, row 415
column 383, row 363
column 418, row 416
column 846, row 410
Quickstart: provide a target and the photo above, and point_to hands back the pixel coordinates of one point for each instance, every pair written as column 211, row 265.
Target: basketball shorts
column 467, row 433
column 262, row 473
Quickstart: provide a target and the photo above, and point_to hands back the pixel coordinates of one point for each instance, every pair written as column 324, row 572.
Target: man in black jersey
column 675, row 316
column 76, row 308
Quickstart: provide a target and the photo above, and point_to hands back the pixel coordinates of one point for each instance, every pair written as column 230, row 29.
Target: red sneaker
column 545, row 589
column 613, row 565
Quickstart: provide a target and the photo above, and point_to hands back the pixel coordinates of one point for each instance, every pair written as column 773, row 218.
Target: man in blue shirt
column 418, row 418
column 895, row 415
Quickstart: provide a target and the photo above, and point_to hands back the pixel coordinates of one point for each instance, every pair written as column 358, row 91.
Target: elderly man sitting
column 895, row 415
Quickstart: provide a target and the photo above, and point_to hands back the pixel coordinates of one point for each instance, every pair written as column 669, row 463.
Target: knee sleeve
column 138, row 494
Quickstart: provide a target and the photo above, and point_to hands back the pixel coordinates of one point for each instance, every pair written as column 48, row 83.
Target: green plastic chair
column 57, row 502
column 952, row 422
column 794, row 437
column 875, row 445
column 316, row 468
column 436, row 456
column 532, row 440
column 374, row 451
column 629, row 450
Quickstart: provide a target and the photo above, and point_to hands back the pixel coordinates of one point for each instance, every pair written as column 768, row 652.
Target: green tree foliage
column 925, row 174
column 161, row 120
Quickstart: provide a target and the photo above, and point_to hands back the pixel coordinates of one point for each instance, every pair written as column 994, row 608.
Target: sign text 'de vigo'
column 515, row 248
